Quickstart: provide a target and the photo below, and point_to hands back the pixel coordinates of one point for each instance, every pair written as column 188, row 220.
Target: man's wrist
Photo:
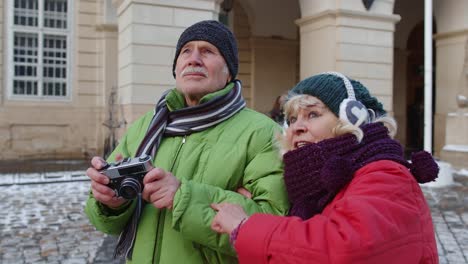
column 107, row 210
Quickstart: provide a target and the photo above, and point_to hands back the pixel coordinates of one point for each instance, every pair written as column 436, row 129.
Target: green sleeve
column 103, row 218
column 263, row 177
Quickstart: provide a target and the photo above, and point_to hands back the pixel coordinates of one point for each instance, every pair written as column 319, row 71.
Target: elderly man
column 206, row 145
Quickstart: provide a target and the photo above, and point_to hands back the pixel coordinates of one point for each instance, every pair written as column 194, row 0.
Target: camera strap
column 180, row 122
column 126, row 239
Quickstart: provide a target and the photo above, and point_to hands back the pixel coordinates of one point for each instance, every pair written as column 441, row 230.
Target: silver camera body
column 126, row 176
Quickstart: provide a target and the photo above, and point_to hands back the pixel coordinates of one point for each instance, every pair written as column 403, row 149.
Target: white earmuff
column 351, row 110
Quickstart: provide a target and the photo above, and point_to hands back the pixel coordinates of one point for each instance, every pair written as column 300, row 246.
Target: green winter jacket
column 211, row 166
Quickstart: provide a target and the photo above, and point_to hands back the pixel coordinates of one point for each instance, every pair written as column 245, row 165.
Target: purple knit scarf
column 315, row 173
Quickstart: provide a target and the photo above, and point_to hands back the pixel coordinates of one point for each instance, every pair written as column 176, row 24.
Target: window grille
column 39, row 53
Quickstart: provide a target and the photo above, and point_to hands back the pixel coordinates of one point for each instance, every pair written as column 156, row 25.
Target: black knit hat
column 331, row 90
column 215, row 33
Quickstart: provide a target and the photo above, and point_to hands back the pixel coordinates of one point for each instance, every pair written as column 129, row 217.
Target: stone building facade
column 75, row 73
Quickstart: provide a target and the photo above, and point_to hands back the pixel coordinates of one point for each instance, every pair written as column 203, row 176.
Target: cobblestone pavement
column 449, row 208
column 45, row 223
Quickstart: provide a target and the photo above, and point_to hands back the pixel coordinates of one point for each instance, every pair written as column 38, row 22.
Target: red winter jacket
column 381, row 216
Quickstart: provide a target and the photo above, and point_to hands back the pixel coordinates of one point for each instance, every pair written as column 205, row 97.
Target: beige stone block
column 382, row 7
column 87, row 19
column 146, row 74
column 317, row 46
column 365, row 70
column 244, row 67
column 149, row 35
column 457, row 156
column 89, row 88
column 378, row 87
column 365, row 36
column 439, row 133
column 153, row 74
column 451, row 54
column 245, row 56
column 355, row 5
column 151, row 15
column 243, row 45
column 124, row 20
column 87, row 45
column 131, row 112
column 247, row 93
column 188, row 4
column 248, row 102
column 153, row 55
column 125, row 76
column 93, row 7
column 41, row 138
column 313, row 24
column 4, row 127
column 88, row 74
column 245, row 79
column 187, row 17
column 87, row 31
column 125, row 57
column 242, row 32
column 387, row 101
column 275, row 66
column 88, row 99
column 125, row 93
column 364, row 53
column 457, row 128
column 148, row 94
column 89, row 60
column 241, row 20
column 366, row 20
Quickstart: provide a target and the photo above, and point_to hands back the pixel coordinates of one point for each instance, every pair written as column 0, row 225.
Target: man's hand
column 160, row 188
column 101, row 192
column 244, row 192
column 227, row 218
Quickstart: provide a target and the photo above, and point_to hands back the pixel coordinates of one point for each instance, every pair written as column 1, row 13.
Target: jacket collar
column 175, row 100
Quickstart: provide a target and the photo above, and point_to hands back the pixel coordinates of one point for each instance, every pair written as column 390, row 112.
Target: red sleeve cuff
column 254, row 237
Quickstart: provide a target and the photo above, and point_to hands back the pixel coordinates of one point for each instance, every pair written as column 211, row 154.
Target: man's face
column 200, row 70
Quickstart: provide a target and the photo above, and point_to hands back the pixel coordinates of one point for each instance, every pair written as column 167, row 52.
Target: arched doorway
column 415, row 89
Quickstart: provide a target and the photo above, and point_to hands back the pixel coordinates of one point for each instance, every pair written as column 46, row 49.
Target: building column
column 451, row 118
column 345, row 37
column 148, row 34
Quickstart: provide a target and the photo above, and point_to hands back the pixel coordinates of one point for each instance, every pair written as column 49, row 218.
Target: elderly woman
column 355, row 198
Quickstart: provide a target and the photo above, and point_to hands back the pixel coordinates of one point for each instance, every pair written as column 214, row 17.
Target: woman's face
column 310, row 122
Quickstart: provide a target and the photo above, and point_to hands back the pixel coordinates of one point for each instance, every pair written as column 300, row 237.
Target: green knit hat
column 331, row 90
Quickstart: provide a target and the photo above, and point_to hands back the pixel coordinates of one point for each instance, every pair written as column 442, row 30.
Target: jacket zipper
column 162, row 212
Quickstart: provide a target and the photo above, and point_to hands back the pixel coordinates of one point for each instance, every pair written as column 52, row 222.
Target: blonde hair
column 301, row 101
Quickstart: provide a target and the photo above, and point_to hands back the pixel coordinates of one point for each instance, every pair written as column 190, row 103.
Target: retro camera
column 126, row 176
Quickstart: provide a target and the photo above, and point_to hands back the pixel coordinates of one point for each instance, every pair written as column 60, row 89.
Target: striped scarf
column 180, row 122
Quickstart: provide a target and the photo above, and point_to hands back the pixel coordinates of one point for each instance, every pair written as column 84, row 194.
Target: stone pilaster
column 350, row 40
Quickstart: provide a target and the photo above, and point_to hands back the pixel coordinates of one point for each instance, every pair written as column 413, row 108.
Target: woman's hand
column 227, row 218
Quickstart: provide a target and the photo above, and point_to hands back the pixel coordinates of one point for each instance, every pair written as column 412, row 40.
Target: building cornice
column 348, row 13
column 451, row 34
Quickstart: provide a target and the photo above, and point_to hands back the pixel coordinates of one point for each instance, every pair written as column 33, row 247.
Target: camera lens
column 129, row 188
